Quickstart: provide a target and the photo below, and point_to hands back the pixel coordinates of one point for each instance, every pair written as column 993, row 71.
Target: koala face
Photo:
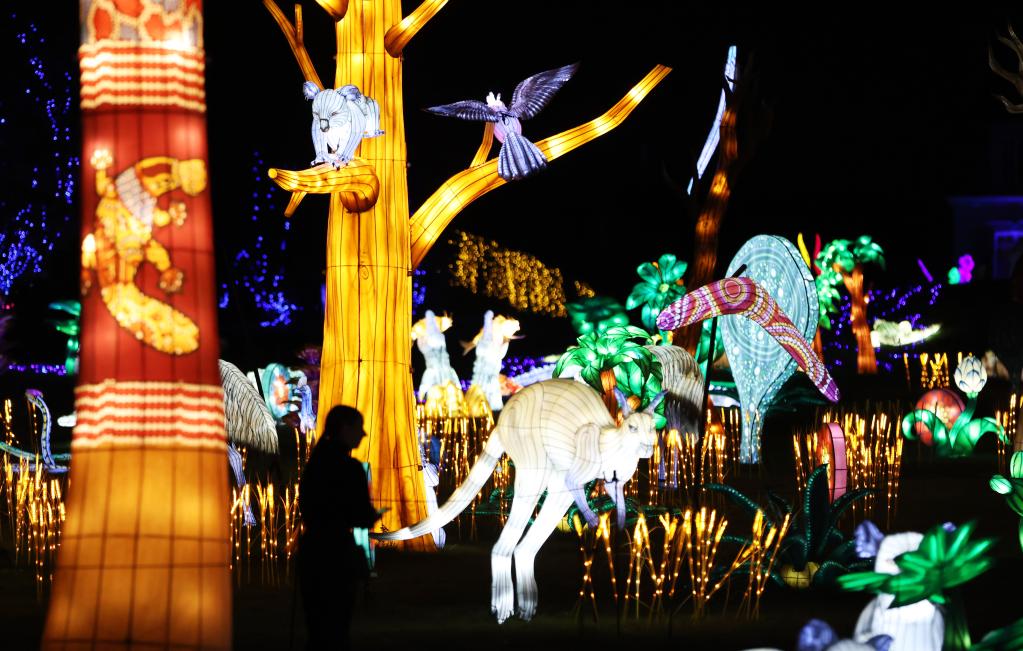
column 331, row 118
column 339, row 122
column 329, row 110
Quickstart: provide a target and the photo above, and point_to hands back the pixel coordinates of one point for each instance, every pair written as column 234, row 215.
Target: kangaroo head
column 623, row 446
column 636, row 436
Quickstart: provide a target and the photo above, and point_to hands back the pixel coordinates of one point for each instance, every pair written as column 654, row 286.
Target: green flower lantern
column 961, row 439
column 946, row 558
column 1012, row 488
column 661, row 285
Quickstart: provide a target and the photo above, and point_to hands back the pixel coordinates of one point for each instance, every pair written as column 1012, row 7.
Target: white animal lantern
column 917, row 627
column 491, row 347
column 560, row 437
column 428, row 333
column 431, row 479
column 341, row 119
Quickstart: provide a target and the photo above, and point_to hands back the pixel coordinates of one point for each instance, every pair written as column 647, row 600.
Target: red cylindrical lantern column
column 144, row 559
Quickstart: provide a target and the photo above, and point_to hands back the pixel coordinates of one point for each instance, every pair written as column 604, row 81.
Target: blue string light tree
column 256, row 273
column 40, row 181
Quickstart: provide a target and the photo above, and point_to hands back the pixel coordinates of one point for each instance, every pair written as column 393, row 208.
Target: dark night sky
column 876, row 122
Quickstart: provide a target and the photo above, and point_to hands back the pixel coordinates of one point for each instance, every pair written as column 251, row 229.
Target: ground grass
column 442, row 600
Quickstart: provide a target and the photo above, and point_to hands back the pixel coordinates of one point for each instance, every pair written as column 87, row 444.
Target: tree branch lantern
column 373, row 246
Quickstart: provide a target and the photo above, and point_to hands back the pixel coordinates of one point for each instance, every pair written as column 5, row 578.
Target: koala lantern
column 342, row 117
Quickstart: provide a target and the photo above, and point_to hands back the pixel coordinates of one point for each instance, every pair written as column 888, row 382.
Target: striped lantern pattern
column 149, row 413
column 145, row 553
column 831, row 450
column 744, row 296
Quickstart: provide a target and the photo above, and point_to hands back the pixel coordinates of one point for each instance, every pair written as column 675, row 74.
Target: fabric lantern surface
column 760, row 365
column 831, row 451
column 145, row 552
column 945, row 403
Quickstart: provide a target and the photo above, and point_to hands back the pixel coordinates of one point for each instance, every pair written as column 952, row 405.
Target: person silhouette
column 333, row 498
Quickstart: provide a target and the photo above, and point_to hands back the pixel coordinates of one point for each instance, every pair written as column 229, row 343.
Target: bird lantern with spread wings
column 518, row 157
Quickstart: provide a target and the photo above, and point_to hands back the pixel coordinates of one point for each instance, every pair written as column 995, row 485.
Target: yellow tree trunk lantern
column 145, row 551
column 373, row 245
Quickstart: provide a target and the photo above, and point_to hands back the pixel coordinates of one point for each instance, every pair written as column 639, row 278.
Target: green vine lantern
column 962, row 437
column 596, row 315
column 616, row 359
column 1012, row 488
column 661, row 285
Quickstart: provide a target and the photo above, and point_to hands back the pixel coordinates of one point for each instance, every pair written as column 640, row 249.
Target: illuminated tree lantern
column 145, row 553
column 841, row 262
column 374, row 245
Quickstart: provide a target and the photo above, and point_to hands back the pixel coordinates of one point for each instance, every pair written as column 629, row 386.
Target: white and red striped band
column 116, row 73
column 150, row 413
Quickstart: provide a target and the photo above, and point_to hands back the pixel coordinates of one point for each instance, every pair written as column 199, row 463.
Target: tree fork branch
column 293, row 34
column 430, row 220
column 708, row 224
column 398, row 36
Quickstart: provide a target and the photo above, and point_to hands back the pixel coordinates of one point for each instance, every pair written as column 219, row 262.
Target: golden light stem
column 294, row 37
column 430, row 220
column 397, row 37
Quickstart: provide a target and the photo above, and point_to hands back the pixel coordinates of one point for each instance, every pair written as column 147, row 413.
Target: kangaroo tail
column 519, row 158
column 463, row 495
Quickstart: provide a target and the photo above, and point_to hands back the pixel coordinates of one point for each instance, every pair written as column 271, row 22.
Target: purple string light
column 512, row 366
column 897, row 304
column 418, row 291
column 38, row 369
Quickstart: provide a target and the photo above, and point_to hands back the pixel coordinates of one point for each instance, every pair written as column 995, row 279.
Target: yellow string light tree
column 373, row 245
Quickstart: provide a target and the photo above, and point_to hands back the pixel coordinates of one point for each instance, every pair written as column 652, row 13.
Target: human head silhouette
column 344, row 426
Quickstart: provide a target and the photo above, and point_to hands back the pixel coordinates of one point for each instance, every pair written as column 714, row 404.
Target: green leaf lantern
column 660, row 286
column 945, row 559
column 621, row 349
column 596, row 315
column 71, row 327
column 1012, row 488
column 966, row 431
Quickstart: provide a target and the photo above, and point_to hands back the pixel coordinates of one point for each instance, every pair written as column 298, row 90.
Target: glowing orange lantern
column 945, row 403
column 145, row 553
